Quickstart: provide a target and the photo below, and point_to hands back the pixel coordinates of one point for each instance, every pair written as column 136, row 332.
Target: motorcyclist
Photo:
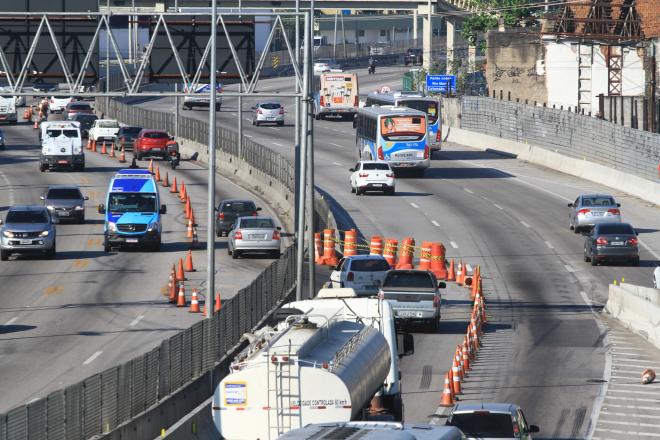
column 372, row 65
column 173, row 154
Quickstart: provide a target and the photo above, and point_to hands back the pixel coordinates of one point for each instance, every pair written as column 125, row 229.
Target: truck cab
column 8, row 109
column 132, row 211
column 61, row 146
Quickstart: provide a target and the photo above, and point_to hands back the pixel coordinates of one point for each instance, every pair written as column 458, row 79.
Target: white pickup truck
column 8, row 110
column 104, row 130
column 61, row 146
column 57, row 105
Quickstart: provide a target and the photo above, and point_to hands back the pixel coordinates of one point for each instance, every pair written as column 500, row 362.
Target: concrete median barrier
column 638, row 308
column 634, row 185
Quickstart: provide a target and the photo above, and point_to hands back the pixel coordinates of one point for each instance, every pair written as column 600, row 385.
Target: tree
column 514, row 13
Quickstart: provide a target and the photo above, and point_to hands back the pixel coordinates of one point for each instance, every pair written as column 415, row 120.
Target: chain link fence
column 104, row 401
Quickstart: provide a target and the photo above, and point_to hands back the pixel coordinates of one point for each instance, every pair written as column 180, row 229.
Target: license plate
column 26, row 241
column 597, row 214
column 257, row 236
column 131, row 240
column 409, row 314
column 64, row 162
column 63, row 214
column 617, row 243
column 156, row 149
column 378, row 185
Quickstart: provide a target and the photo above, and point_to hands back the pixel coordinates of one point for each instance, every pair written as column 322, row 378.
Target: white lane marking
column 652, row 408
column 646, row 425
column 549, row 245
column 435, row 223
column 468, row 190
column 631, row 393
column 247, row 135
column 454, row 245
column 569, row 268
column 497, row 206
column 414, row 205
column 637, row 365
column 232, row 113
column 617, row 431
column 92, row 357
column 32, row 400
column 525, row 224
column 274, row 128
column 136, row 320
column 336, row 145
column 12, row 320
column 279, row 145
column 336, row 163
column 248, row 119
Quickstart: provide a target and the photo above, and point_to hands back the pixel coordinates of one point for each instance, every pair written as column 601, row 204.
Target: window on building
column 383, row 32
column 360, row 32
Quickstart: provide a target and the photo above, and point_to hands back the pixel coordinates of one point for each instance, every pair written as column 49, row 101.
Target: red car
column 152, row 143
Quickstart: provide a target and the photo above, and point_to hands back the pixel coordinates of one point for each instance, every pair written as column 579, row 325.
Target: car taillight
column 363, row 174
column 52, row 101
column 322, row 101
column 350, row 276
column 436, row 300
column 260, row 112
column 238, row 235
column 221, row 216
column 281, row 110
column 390, row 175
column 438, row 136
column 381, row 156
column 254, row 213
column 583, row 211
column 426, row 152
column 276, row 235
column 614, row 211
column 601, row 240
column 633, row 241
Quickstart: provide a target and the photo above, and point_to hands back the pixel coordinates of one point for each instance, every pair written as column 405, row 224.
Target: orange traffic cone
column 188, row 210
column 376, row 245
column 151, row 166
column 194, row 302
column 174, row 189
column 157, row 174
column 93, row 146
column 104, row 148
column 451, row 276
column 188, row 265
column 218, row 303
column 318, row 248
column 456, row 378
column 390, row 250
column 459, row 273
column 181, row 300
column 179, row 272
column 166, row 180
column 329, row 252
column 112, row 150
column 466, row 357
column 425, row 256
column 447, row 398
column 438, row 266
column 189, row 231
column 350, row 243
column 406, row 254
column 172, row 287
column 182, row 192
column 122, row 154
column 89, row 144
column 459, row 362
column 36, row 124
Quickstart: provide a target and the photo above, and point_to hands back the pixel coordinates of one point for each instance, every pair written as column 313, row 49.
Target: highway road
column 86, row 311
column 547, row 347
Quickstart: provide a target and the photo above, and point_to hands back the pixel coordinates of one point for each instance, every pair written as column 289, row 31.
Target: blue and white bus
column 396, row 135
column 132, row 211
column 417, row 101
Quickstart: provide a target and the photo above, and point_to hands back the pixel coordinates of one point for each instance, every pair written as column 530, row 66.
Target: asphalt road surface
column 547, row 348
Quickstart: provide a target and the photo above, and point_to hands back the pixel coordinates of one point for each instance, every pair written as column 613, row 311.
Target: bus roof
column 133, row 181
column 380, row 110
column 392, row 96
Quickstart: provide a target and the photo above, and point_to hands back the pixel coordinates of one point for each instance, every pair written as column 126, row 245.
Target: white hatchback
column 370, row 175
column 362, row 273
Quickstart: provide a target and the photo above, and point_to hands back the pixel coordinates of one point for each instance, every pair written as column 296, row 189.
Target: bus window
column 426, row 106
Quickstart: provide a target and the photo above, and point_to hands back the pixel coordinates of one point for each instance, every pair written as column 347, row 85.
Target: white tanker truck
column 311, row 368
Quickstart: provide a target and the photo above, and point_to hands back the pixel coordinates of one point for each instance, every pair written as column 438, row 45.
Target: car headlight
column 50, row 207
column 8, row 234
column 79, row 208
column 44, row 234
column 152, row 227
column 112, row 227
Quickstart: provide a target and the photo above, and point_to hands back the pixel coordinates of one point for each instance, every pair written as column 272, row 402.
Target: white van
column 197, row 98
column 61, row 146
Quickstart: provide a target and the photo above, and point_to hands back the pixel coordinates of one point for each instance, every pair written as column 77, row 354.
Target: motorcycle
column 372, row 69
column 175, row 158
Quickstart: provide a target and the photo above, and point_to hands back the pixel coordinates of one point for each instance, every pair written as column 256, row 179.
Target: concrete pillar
column 450, row 43
column 415, row 26
column 427, row 32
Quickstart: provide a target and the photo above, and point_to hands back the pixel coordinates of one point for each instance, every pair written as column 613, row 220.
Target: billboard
column 74, row 36
column 190, row 35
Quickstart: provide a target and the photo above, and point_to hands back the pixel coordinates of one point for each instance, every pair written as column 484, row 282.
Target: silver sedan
column 254, row 234
column 591, row 209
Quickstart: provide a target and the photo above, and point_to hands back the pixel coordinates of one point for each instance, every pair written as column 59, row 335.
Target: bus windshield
column 402, row 128
column 132, row 202
column 428, row 107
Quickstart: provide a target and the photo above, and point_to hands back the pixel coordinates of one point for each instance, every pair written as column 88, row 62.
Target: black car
column 229, row 210
column 413, row 56
column 126, row 136
column 44, row 87
column 86, row 121
column 612, row 242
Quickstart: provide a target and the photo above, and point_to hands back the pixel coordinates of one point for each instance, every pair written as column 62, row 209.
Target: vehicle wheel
column 42, row 168
column 635, row 262
column 586, row 257
column 280, row 123
column 235, row 254
column 50, row 254
column 4, row 255
column 81, row 220
column 358, row 192
column 593, row 261
column 228, row 250
column 106, row 247
column 217, row 108
column 352, row 190
column 254, row 122
column 185, row 107
column 257, row 123
column 576, row 229
column 390, row 192
column 571, row 227
column 317, row 116
column 275, row 254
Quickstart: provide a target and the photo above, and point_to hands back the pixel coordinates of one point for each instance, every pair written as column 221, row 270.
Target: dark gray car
column 27, row 229
column 229, row 210
column 126, row 136
column 65, row 202
column 612, row 242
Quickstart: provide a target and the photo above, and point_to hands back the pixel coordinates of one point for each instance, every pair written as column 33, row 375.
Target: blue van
column 132, row 211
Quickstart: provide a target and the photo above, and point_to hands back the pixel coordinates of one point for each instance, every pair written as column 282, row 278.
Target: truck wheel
column 106, row 246
column 235, row 254
column 4, row 255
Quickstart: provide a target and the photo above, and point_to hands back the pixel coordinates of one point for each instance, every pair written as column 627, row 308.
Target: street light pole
column 309, row 133
column 210, row 227
column 296, row 130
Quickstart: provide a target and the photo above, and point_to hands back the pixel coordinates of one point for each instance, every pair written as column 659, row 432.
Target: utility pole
column 296, row 130
column 210, row 226
column 334, row 44
column 107, row 50
column 310, row 157
column 176, row 111
column 240, row 102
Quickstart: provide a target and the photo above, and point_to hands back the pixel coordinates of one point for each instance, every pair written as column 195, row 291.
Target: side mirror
column 442, row 285
column 54, row 220
column 86, row 197
column 351, row 169
column 405, row 344
column 163, row 209
column 618, row 205
column 279, row 228
column 258, row 209
column 101, row 209
column 636, row 232
column 534, row 428
column 171, row 138
column 570, row 205
column 42, row 197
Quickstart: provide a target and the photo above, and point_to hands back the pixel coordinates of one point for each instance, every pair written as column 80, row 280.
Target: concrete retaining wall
column 637, row 186
column 638, row 308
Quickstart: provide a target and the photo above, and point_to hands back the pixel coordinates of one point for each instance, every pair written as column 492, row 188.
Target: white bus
column 396, row 135
column 417, row 101
column 336, row 94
